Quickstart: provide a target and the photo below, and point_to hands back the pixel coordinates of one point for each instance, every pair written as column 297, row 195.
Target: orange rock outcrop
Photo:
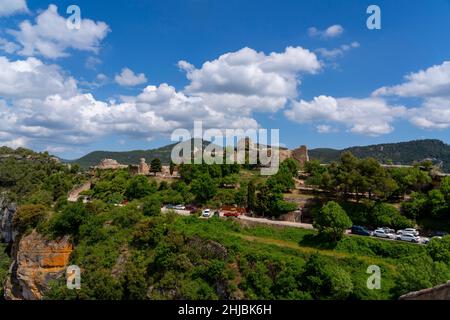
column 37, row 261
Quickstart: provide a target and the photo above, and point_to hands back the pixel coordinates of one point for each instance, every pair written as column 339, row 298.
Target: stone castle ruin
column 136, row 169
column 106, row 164
column 301, row 154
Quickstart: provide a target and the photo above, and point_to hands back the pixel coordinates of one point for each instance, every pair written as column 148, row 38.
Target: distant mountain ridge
column 129, row 157
column 405, row 153
column 398, row 153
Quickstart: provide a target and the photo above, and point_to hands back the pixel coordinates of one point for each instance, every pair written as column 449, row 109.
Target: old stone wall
column 441, row 292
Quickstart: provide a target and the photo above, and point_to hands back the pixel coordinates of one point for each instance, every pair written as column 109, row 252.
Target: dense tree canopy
column 332, row 221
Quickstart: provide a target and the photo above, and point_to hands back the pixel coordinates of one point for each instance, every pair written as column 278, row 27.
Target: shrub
column 69, row 220
column 29, row 216
column 139, row 187
column 152, row 206
column 332, row 221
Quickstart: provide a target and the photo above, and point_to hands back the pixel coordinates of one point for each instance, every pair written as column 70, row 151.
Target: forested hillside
column 128, row 157
column 129, row 245
column 395, row 153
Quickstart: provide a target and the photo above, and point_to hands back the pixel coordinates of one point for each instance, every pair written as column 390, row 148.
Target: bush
column 332, row 221
column 152, row 206
column 323, row 279
column 28, row 216
column 139, row 187
column 69, row 220
column 439, row 249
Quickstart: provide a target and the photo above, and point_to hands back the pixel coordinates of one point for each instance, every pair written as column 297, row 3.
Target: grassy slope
column 354, row 254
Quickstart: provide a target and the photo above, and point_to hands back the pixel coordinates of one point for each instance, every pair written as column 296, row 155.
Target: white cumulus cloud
column 10, row 7
column 369, row 116
column 432, row 85
column 433, row 114
column 432, row 82
column 128, row 78
column 333, row 31
column 247, row 80
column 50, row 37
column 31, row 78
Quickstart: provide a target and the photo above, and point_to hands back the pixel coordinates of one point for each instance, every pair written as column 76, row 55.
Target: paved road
column 278, row 223
column 271, row 222
column 247, row 218
column 180, row 212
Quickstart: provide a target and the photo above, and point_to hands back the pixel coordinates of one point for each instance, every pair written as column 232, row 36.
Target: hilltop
column 405, row 153
column 129, row 157
column 396, row 153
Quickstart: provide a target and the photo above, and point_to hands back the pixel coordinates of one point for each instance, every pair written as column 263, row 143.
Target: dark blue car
column 360, row 231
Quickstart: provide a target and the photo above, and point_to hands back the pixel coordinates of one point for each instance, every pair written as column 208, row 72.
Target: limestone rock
column 36, row 261
column 7, row 211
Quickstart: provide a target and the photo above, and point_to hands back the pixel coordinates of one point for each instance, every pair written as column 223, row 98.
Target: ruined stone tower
column 301, row 155
column 143, row 167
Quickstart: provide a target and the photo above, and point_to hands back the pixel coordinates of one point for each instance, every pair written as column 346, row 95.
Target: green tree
column 69, row 220
column 282, row 181
column 436, row 202
column 139, row 187
column 28, row 216
column 204, row 188
column 419, row 272
column 152, row 206
column 439, row 249
column 172, row 167
column 332, row 221
column 324, row 279
column 155, row 165
column 251, row 195
column 445, row 189
column 270, row 203
column 416, row 206
column 291, row 165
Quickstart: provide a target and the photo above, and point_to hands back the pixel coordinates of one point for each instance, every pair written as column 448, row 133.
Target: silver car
column 408, row 230
column 381, row 233
column 409, row 237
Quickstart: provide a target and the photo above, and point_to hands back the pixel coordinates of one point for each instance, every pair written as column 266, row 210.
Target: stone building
column 301, row 155
column 110, row 164
column 144, row 168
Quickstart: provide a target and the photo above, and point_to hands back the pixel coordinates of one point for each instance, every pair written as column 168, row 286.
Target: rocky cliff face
column 7, row 211
column 36, row 261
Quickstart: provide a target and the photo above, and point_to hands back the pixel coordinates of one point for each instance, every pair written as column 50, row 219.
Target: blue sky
column 65, row 90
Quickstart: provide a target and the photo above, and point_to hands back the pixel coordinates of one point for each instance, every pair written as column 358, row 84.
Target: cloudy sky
column 136, row 70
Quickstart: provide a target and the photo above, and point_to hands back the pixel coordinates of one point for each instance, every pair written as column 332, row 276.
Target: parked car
column 408, row 230
column 439, row 234
column 206, row 213
column 191, row 208
column 231, row 214
column 382, row 233
column 179, row 207
column 361, row 231
column 409, row 237
column 388, row 230
column 425, row 240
